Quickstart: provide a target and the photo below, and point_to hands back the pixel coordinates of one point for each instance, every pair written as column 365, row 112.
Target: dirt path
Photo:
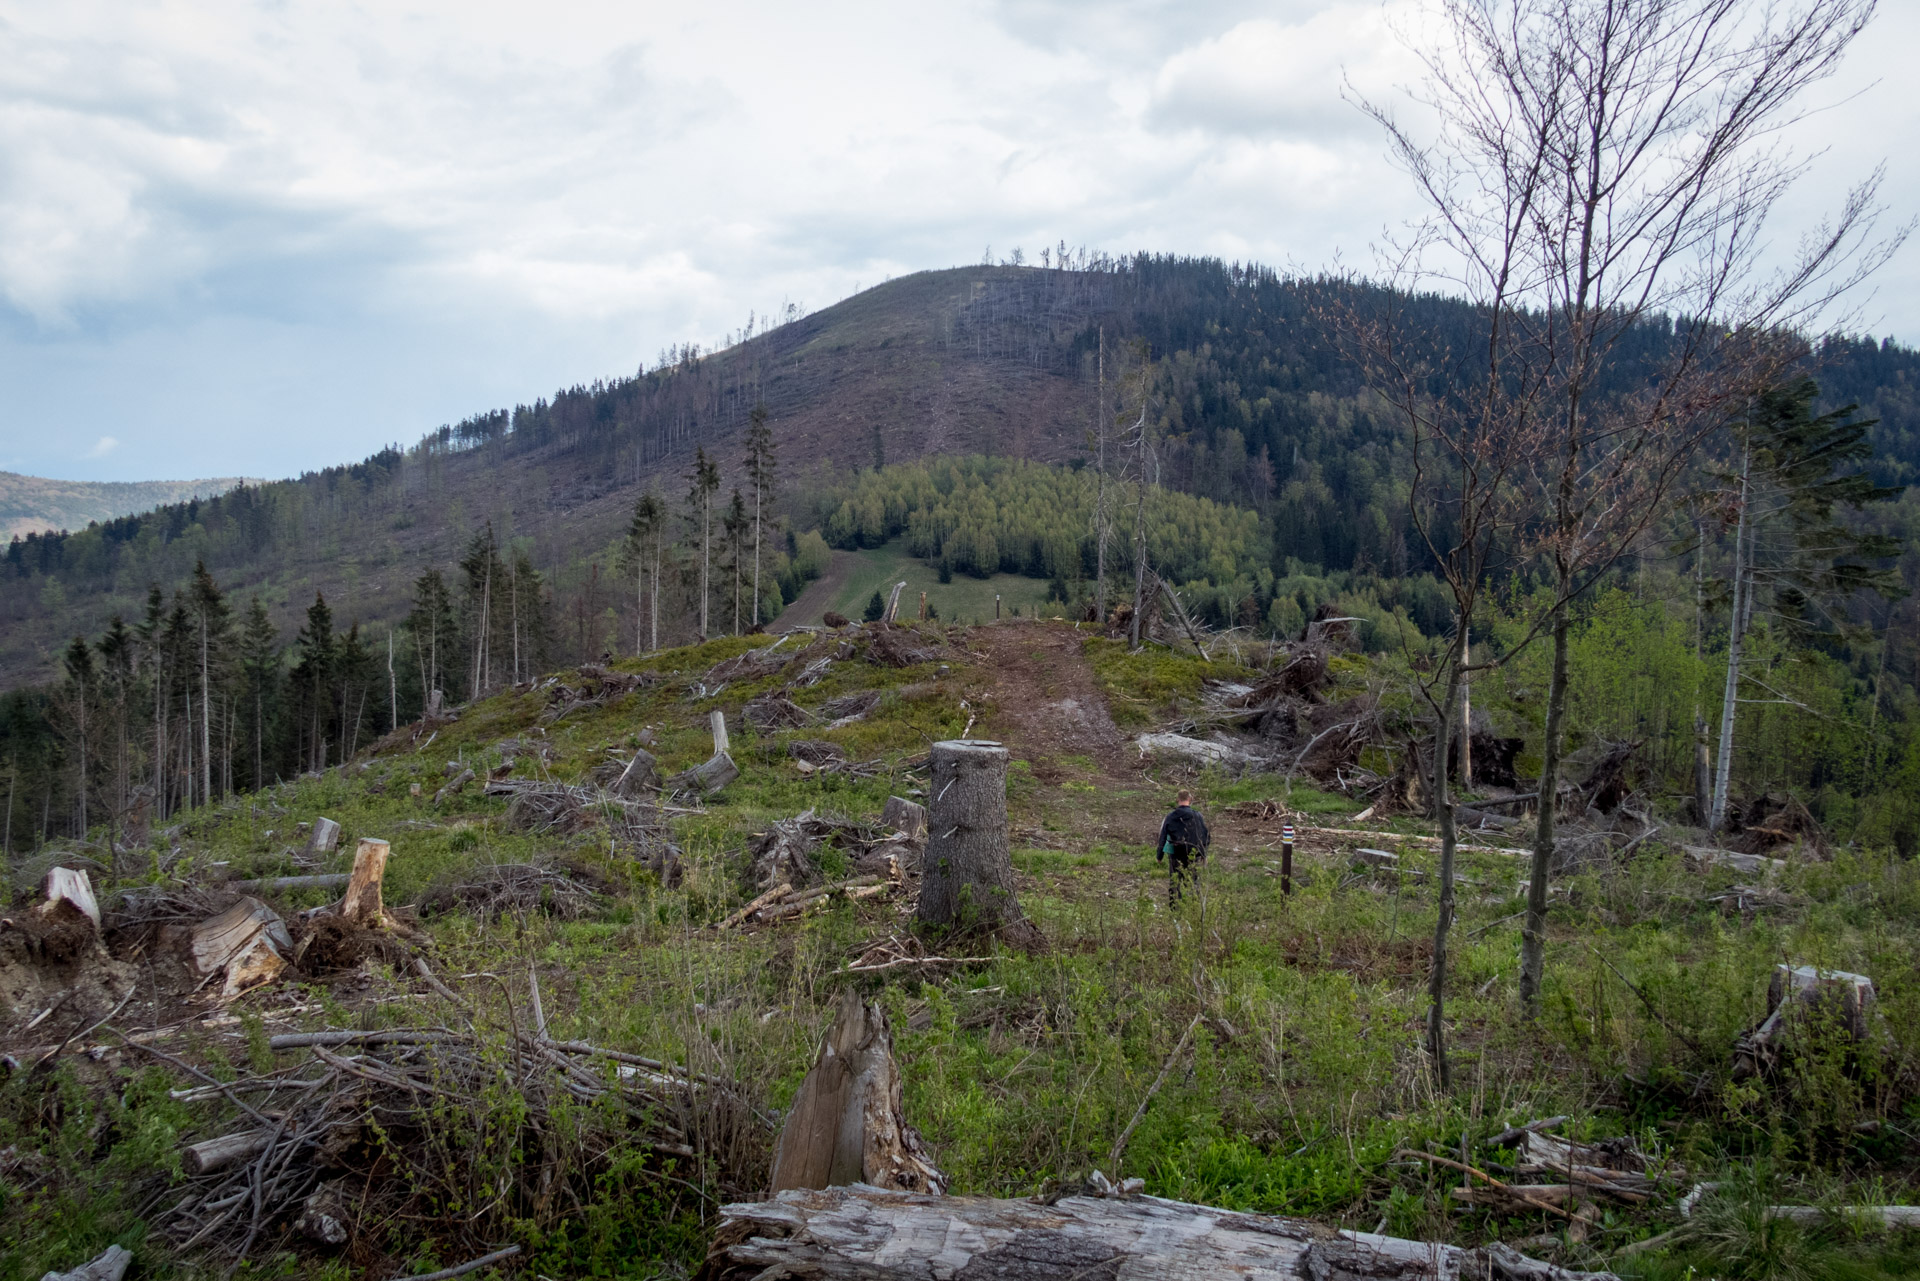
column 818, row 596
column 1047, row 705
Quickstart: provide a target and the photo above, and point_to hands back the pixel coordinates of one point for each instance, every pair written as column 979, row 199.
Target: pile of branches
column 486, row 1131
column 784, row 902
column 896, row 646
column 761, row 661
column 774, row 711
column 787, row 853
column 635, row 828
column 1772, row 820
column 593, row 685
column 561, row 891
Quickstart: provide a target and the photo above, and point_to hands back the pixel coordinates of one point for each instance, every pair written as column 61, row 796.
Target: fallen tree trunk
column 275, row 884
column 864, row 1233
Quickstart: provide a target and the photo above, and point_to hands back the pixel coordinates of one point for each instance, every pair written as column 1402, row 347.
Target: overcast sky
column 251, row 239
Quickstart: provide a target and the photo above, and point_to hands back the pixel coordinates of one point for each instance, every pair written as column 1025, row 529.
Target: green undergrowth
column 1302, row 1079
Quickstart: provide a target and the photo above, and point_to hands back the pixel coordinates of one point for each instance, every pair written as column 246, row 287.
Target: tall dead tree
column 966, row 881
column 1598, row 174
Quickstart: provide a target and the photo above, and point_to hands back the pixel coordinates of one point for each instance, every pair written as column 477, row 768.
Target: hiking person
column 1183, row 840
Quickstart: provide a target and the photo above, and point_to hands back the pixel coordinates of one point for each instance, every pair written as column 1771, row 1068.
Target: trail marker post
column 1286, row 859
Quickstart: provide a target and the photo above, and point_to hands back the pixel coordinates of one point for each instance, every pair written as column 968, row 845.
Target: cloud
column 102, row 447
column 357, row 222
column 1265, row 78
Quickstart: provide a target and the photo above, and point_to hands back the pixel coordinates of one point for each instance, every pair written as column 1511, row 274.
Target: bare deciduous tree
column 1599, row 174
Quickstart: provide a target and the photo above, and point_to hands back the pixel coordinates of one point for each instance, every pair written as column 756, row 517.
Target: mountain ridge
column 45, row 504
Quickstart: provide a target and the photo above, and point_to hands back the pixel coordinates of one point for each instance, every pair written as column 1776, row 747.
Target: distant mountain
column 38, row 505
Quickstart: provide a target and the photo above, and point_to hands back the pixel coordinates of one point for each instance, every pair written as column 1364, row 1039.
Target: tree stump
column 966, row 874
column 903, row 815
column 846, row 1125
column 326, row 835
column 362, row 904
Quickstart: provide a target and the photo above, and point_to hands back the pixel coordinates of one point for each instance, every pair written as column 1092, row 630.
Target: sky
column 259, row 238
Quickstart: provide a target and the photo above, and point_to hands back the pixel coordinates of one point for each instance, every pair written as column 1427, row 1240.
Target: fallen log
column 109, row 1265
column 276, row 884
column 217, row 1154
column 864, row 1233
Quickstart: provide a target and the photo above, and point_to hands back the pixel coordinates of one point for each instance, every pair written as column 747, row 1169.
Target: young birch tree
column 1599, row 174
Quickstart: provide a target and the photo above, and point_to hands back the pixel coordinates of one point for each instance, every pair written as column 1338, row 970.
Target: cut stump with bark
column 865, row 1233
column 846, row 1124
column 966, row 874
column 903, row 815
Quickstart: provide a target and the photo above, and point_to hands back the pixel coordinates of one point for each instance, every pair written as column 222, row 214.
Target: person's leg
column 1176, row 876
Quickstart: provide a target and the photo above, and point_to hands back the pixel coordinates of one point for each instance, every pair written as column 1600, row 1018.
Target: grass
column 1305, row 1074
column 965, row 599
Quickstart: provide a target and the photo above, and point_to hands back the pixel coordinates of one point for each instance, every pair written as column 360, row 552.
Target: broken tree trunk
column 846, row 1124
column 249, row 941
column 719, row 769
column 966, row 875
column 362, row 904
column 844, row 1234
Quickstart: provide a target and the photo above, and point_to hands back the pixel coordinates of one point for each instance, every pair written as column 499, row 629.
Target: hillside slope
column 38, row 504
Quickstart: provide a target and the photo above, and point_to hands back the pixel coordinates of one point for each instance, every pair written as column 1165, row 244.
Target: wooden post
column 923, row 607
column 967, row 872
column 996, row 607
column 1286, row 859
column 719, row 722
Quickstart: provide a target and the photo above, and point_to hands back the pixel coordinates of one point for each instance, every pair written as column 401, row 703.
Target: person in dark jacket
column 1183, row 841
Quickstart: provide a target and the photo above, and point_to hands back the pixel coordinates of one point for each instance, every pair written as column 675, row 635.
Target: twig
column 74, row 1036
column 1120, row 1144
column 917, row 960
column 464, row 1268
column 184, row 1066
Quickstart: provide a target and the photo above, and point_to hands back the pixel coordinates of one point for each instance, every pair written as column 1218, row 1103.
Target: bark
column 846, row 1124
column 1533, row 932
column 967, row 872
column 1443, row 922
column 1736, row 635
column 867, row 1234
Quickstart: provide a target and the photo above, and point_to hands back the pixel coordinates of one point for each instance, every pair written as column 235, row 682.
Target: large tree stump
column 362, row 904
column 861, row 1234
column 966, row 874
column 846, row 1125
